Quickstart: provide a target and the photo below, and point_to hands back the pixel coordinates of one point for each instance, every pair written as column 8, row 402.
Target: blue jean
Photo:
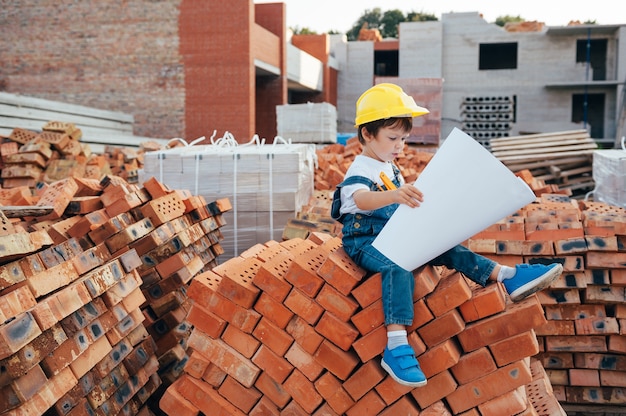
column 359, row 231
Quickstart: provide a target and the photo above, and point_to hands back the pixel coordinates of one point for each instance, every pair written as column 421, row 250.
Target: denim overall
column 359, row 232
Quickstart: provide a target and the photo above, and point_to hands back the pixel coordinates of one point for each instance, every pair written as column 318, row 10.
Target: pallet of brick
column 582, row 342
column 307, row 123
column 82, row 333
column 266, row 183
column 295, row 327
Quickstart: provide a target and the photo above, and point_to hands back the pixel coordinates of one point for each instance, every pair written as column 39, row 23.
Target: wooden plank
column 519, row 158
column 539, row 136
column 61, row 107
column 546, row 150
column 550, row 143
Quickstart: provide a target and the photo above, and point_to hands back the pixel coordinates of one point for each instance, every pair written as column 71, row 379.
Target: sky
column 322, row 16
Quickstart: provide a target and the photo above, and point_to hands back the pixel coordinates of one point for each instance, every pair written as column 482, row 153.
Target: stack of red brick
column 297, row 328
column 93, row 293
column 583, row 344
column 29, row 157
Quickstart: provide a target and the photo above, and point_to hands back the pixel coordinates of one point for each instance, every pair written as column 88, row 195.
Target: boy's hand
column 409, row 195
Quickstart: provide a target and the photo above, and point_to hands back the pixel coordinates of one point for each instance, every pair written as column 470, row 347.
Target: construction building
column 189, row 69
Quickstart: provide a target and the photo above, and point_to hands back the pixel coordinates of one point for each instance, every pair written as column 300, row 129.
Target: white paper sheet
column 466, row 189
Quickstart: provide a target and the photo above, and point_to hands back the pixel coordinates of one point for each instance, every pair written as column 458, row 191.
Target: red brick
column 303, row 306
column 372, row 344
column 225, row 357
column 368, row 291
column 572, row 312
column 204, row 397
column 294, row 409
column 335, row 360
column 426, row 279
column 404, row 406
column 370, row 404
column 485, row 301
column 390, row 390
column 436, row 389
column 242, row 318
column 264, row 407
column 452, row 291
column 442, row 328
column 17, row 333
column 196, row 365
column 473, row 365
column 27, row 385
column 275, row 366
column 576, row 343
column 515, row 348
column 333, row 393
column 341, row 306
column 510, row 403
column 273, row 310
column 517, row 318
column 304, row 334
column 304, row 362
column 613, row 378
column 243, row 397
column 272, row 336
column 364, row 379
column 617, row 343
column 214, row 375
column 272, row 390
column 340, row 333
column 236, row 283
column 270, row 277
column 244, row 343
column 172, row 402
column 303, row 271
column 488, row 387
column 421, row 315
column 302, row 391
column 205, row 321
column 552, row 327
column 340, row 271
column 369, row 318
column 16, row 299
column 52, row 278
column 89, row 358
column 584, row 377
column 163, row 209
column 439, row 358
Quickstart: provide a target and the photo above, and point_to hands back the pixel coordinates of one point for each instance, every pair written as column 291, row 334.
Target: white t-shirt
column 369, row 168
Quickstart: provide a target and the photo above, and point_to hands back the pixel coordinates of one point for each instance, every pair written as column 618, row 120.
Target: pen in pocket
column 388, row 183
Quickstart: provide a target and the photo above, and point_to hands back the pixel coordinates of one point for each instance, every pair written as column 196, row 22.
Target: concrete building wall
column 421, row 50
column 356, row 74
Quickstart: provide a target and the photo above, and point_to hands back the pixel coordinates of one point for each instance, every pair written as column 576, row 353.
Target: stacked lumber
column 561, row 158
column 30, row 157
column 295, row 327
column 583, row 343
column 93, row 280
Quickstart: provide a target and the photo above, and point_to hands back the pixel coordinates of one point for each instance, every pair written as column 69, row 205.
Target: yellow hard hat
column 385, row 101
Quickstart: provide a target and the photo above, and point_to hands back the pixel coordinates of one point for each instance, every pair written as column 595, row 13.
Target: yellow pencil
column 388, row 183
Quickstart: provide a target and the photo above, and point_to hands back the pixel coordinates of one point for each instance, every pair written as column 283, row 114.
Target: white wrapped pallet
column 267, row 184
column 609, row 175
column 307, row 123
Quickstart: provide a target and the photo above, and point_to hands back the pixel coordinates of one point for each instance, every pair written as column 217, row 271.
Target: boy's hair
column 406, row 123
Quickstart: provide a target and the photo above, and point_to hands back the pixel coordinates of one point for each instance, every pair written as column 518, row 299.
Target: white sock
column 505, row 272
column 396, row 338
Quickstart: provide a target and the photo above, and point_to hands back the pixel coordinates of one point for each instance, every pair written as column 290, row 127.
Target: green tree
column 297, row 30
column 502, row 20
column 387, row 23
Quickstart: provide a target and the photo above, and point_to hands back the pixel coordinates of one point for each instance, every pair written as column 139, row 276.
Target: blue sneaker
column 530, row 278
column 403, row 367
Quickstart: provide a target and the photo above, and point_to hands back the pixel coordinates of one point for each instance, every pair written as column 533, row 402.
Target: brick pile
column 93, row 292
column 30, row 157
column 583, row 343
column 295, row 327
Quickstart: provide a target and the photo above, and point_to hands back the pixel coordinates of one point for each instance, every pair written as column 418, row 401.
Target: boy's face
column 386, row 145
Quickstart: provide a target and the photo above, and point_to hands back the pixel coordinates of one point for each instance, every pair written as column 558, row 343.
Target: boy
column 364, row 202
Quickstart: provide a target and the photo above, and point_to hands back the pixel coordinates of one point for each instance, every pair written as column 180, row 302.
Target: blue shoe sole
column 398, row 379
column 537, row 284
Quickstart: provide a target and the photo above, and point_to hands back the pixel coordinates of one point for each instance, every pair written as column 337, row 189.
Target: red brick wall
column 107, row 54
